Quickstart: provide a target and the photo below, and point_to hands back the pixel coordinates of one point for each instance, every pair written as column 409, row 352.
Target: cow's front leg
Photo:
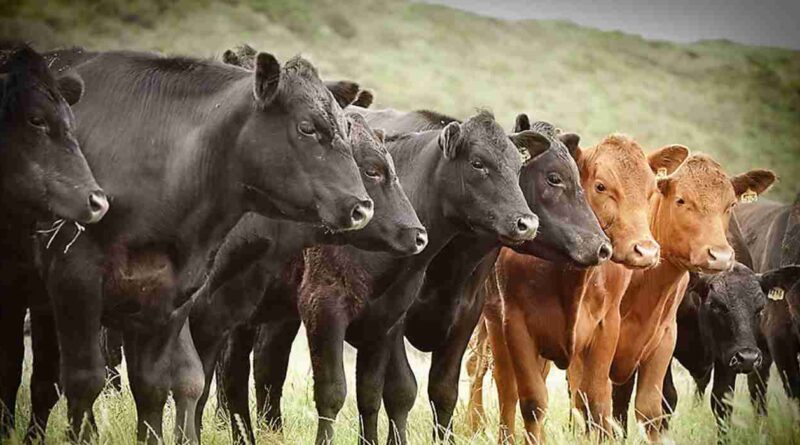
column 650, row 384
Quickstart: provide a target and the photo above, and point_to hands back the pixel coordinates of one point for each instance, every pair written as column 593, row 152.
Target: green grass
column 738, row 103
column 693, row 423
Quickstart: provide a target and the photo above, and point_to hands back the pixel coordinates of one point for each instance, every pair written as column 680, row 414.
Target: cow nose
column 526, row 227
column 645, row 254
column 720, row 258
column 98, row 206
column 745, row 360
column 361, row 214
column 604, row 252
column 421, row 240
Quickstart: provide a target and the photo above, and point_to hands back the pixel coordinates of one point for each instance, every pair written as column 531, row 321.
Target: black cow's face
column 730, row 312
column 395, row 226
column 552, row 187
column 481, row 178
column 42, row 166
column 308, row 172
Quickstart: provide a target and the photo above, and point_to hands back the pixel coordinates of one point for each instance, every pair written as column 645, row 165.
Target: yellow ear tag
column 775, row 294
column 524, row 154
column 661, row 174
column 749, row 196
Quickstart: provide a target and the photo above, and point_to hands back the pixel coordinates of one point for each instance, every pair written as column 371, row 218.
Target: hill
column 738, row 103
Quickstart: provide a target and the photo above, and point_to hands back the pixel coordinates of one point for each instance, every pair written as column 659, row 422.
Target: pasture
column 740, row 104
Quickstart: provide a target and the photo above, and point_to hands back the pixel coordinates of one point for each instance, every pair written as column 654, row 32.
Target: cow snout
column 361, row 214
column 720, row 258
column 421, row 241
column 604, row 252
column 745, row 360
column 645, row 254
column 98, row 206
column 525, row 227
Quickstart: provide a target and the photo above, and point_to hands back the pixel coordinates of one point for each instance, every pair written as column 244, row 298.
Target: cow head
column 619, row 180
column 309, row 174
column 481, row 174
column 730, row 304
column 395, row 226
column 551, row 184
column 784, row 284
column 694, row 209
column 42, row 166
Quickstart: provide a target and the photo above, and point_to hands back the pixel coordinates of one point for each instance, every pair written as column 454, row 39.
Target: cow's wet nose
column 98, row 206
column 604, row 252
column 421, row 240
column 361, row 214
column 745, row 360
column 525, row 227
column 645, row 254
column 720, row 258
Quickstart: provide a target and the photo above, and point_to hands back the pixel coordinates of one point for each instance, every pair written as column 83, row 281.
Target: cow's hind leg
column 233, row 378
column 370, row 372
column 399, row 390
column 112, row 351
column 188, row 381
column 270, row 364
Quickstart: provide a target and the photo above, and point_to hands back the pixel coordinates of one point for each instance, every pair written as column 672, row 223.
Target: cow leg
column 721, row 392
column 399, row 390
column 529, row 372
column 326, row 343
column 270, row 364
column 477, row 367
column 74, row 284
column 112, row 351
column 592, row 391
column 757, row 383
column 785, row 356
column 12, row 354
column 505, row 380
column 650, row 384
column 188, row 382
column 233, row 377
column 670, row 401
column 148, row 373
column 370, row 372
column 621, row 399
column 701, row 382
column 44, row 381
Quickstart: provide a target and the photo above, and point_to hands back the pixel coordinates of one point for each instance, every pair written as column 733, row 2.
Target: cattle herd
column 188, row 213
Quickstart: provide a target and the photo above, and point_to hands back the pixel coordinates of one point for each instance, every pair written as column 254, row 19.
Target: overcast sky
column 755, row 22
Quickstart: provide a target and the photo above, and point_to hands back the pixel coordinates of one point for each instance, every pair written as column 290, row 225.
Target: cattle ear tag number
column 749, row 196
column 524, row 154
column 661, row 174
column 775, row 294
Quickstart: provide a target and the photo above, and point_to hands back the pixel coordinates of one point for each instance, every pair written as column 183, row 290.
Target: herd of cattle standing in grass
column 188, row 213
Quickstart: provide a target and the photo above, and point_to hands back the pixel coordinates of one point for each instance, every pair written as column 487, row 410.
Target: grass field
column 741, row 104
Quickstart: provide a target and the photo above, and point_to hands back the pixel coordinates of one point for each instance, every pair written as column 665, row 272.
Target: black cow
column 258, row 250
column 186, row 147
column 718, row 326
column 42, row 173
column 449, row 304
column 771, row 234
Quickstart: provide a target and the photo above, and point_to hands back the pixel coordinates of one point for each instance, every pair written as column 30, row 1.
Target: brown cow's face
column 694, row 212
column 619, row 182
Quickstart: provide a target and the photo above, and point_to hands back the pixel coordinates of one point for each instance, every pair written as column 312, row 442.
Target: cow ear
column 71, row 87
column 757, row 181
column 230, row 58
column 345, row 92
column 380, row 134
column 667, row 159
column 268, row 77
column 449, row 139
column 530, row 144
column 522, row 123
column 571, row 141
column 364, row 99
column 783, row 278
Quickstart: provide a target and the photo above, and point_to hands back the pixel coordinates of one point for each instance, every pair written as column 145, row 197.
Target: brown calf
column 538, row 311
column 689, row 220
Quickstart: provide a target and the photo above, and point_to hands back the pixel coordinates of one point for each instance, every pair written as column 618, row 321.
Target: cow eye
column 554, row 180
column 306, row 128
column 38, row 122
column 373, row 173
column 600, row 187
column 477, row 164
column 681, row 201
column 718, row 307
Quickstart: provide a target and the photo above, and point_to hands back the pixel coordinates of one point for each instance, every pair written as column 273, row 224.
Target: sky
column 753, row 22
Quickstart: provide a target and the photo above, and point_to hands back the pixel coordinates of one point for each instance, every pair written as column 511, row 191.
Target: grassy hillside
column 741, row 104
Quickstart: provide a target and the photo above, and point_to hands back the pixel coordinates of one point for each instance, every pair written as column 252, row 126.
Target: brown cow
column 552, row 311
column 690, row 219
